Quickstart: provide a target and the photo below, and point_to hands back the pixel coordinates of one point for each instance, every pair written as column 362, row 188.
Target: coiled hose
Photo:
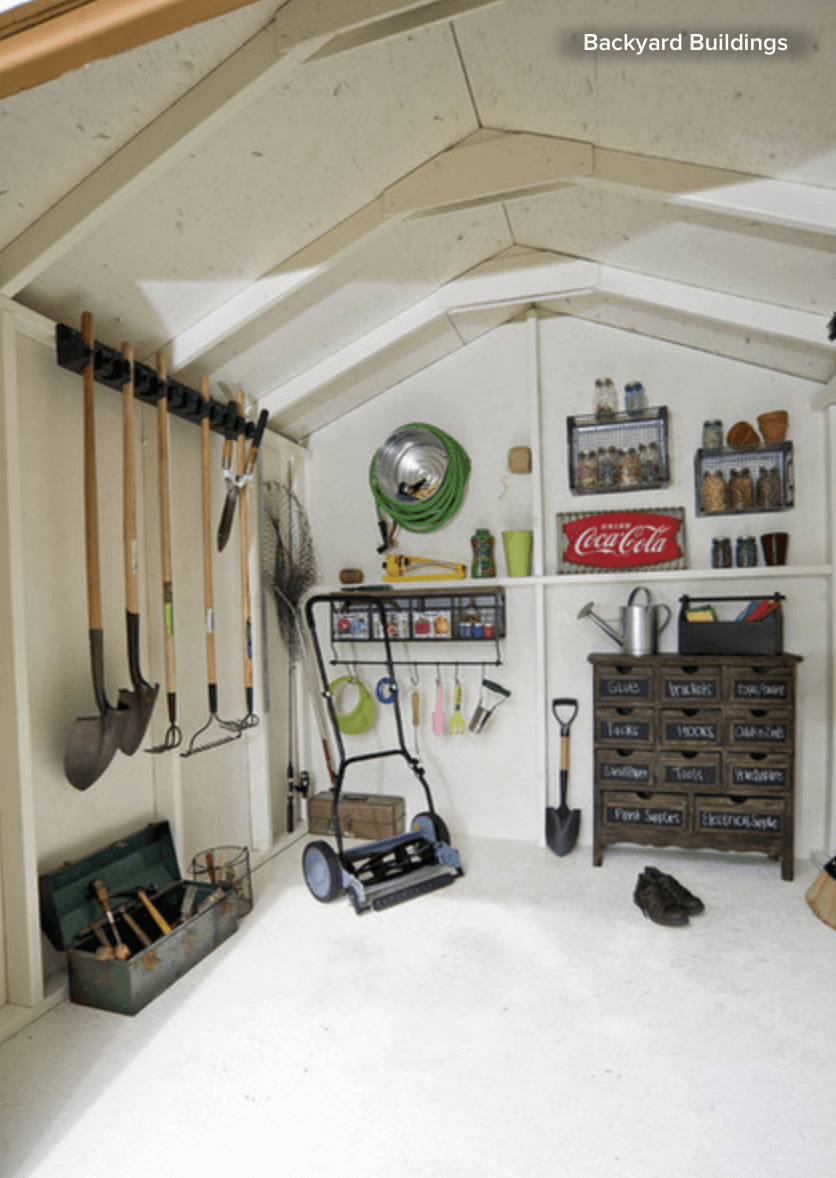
column 428, row 514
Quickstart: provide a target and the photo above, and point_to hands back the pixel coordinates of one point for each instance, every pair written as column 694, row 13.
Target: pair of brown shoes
column 664, row 900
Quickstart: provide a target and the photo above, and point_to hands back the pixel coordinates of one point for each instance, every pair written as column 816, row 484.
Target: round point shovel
column 562, row 823
column 93, row 740
column 139, row 702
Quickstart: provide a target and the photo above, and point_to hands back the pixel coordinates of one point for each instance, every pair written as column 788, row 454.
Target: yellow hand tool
column 397, row 565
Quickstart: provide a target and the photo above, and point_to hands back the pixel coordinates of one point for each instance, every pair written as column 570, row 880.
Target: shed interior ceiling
column 313, row 201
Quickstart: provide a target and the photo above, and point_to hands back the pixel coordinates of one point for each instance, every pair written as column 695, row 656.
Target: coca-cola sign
column 612, row 540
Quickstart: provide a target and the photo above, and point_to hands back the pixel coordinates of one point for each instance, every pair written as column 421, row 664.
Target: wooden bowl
column 742, row 434
column 773, row 426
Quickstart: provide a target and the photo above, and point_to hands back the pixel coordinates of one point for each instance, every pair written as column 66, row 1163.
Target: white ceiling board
column 758, row 113
column 272, row 179
column 778, row 354
column 653, row 238
column 395, row 269
column 53, row 136
column 408, row 355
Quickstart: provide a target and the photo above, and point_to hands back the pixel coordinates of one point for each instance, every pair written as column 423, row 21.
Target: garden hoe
column 93, row 740
column 139, row 702
column 173, row 735
column 562, row 823
column 232, row 727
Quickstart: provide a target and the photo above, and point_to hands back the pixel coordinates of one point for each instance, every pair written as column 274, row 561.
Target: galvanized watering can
column 640, row 624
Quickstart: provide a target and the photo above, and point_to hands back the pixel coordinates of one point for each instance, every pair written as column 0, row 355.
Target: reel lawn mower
column 376, row 875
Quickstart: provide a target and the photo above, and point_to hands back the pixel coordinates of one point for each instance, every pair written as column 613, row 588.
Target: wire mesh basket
column 229, row 866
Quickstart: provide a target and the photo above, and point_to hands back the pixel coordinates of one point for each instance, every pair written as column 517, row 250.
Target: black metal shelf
column 622, row 432
column 723, row 462
column 459, row 618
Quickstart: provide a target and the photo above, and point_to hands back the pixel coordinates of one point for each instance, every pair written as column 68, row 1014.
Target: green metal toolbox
column 147, row 896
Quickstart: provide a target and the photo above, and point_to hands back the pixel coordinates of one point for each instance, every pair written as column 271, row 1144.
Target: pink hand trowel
column 438, row 714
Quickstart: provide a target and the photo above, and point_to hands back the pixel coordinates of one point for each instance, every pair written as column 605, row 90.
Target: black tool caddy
column 162, row 925
column 761, row 637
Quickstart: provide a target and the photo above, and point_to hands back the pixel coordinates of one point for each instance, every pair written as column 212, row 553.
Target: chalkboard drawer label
column 623, row 687
column 696, row 769
column 759, row 686
column 659, row 811
column 744, row 816
column 692, row 727
column 691, row 684
column 749, row 772
column 624, row 727
column 623, row 767
column 759, row 728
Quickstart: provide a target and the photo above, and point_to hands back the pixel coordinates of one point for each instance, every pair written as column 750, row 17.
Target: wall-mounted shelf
column 416, row 615
column 745, row 480
column 625, row 452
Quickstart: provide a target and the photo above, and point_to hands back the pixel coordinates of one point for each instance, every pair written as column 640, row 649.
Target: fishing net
column 288, row 558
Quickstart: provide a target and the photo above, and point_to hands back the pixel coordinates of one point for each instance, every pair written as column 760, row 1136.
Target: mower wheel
column 431, row 826
column 321, row 869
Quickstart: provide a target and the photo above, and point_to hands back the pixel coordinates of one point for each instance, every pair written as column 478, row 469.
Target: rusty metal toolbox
column 198, row 917
column 362, row 816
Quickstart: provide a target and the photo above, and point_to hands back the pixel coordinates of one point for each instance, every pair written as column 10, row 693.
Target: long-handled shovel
column 251, row 719
column 173, row 735
column 140, row 702
column 231, row 726
column 93, row 740
column 562, row 823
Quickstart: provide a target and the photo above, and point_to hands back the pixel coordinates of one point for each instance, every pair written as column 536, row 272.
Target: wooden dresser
column 695, row 751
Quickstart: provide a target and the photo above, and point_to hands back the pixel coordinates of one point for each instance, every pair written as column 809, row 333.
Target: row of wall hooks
column 110, row 370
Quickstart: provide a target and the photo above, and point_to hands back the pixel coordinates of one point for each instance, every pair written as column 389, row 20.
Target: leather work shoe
column 656, row 904
column 678, row 894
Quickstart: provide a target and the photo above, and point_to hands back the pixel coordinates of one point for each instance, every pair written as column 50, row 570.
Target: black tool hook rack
column 111, row 370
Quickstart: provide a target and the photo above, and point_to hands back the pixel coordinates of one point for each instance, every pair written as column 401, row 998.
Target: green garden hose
column 426, row 515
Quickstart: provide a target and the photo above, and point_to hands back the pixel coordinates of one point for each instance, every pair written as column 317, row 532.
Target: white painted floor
column 527, row 1021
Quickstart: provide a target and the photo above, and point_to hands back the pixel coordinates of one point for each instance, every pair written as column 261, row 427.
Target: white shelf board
column 758, row 573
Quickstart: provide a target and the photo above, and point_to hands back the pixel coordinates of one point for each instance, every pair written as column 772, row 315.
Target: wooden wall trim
column 41, row 40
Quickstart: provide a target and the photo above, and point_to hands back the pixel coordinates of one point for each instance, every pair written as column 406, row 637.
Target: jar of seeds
column 769, row 488
column 587, row 472
column 741, row 490
column 713, row 491
column 607, row 468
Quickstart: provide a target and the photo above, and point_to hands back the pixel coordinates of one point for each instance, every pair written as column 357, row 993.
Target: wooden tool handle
column 416, row 709
column 91, row 511
column 245, row 566
column 160, row 921
column 206, row 490
column 100, row 892
column 128, row 483
column 138, row 932
column 165, row 525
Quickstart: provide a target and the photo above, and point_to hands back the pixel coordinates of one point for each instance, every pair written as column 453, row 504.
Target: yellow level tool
column 397, row 565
